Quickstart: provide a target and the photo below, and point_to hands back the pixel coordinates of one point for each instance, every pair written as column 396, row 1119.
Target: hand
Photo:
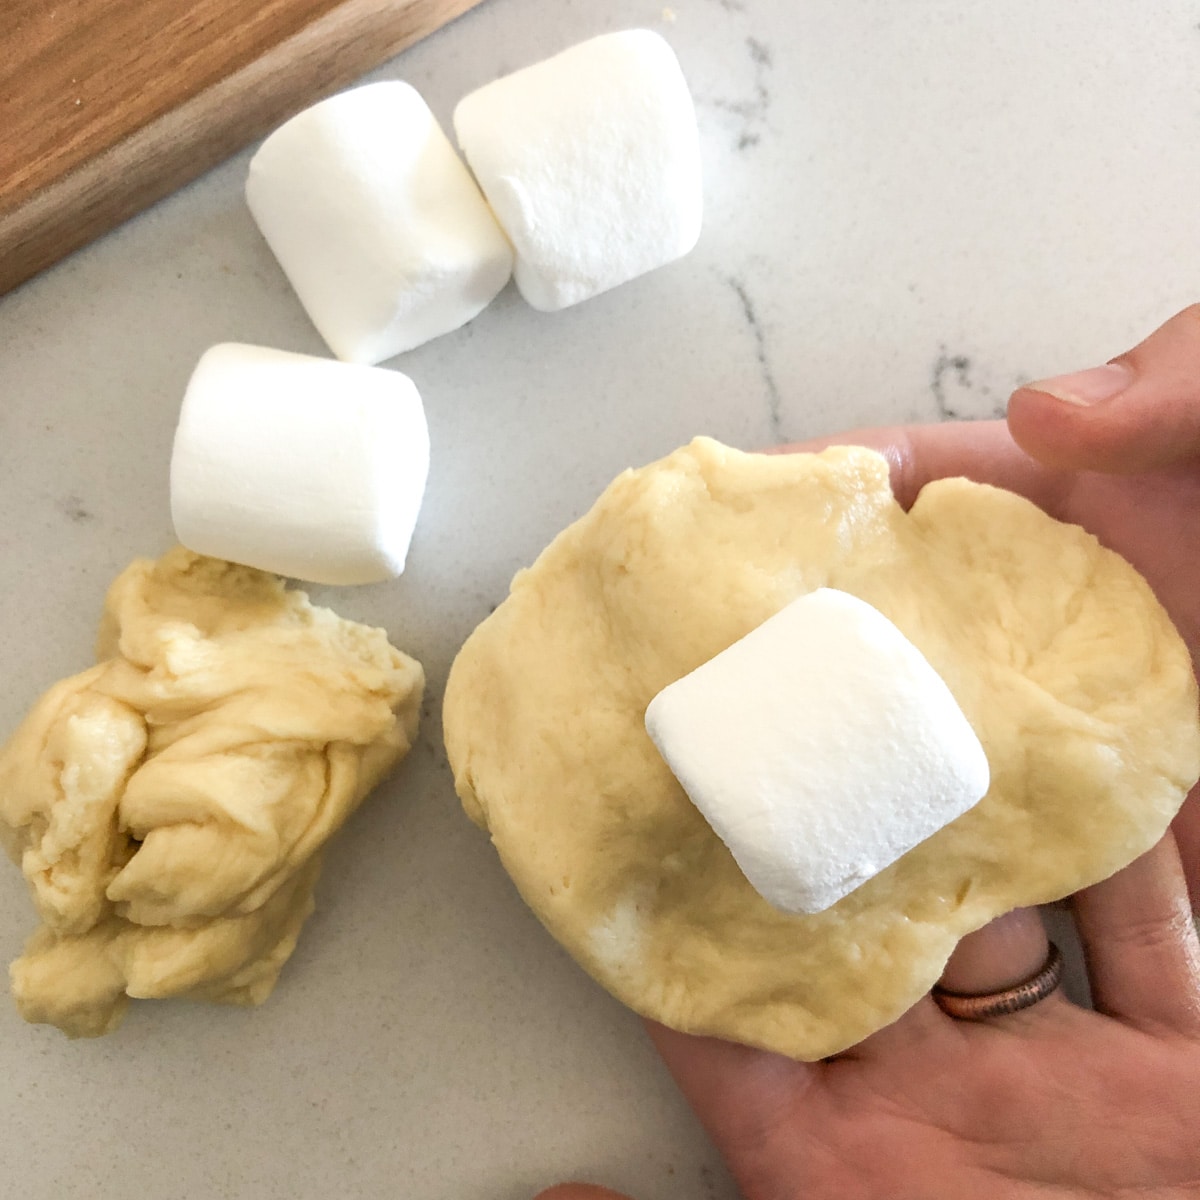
column 1057, row 1100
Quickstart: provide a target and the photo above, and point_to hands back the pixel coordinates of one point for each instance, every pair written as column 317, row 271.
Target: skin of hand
column 1057, row 1101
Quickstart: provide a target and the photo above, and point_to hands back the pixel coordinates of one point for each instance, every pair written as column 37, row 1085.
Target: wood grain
column 108, row 105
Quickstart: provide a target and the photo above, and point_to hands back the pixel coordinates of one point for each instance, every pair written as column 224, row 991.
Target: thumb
column 1139, row 412
column 745, row 1098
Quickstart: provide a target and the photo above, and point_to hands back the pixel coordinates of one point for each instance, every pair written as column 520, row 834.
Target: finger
column 1011, row 952
column 980, row 450
column 1004, row 953
column 579, row 1191
column 1140, row 945
column 1139, row 412
column 740, row 1095
column 1186, row 828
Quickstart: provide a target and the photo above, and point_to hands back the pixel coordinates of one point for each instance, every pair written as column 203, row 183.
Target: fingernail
column 1087, row 387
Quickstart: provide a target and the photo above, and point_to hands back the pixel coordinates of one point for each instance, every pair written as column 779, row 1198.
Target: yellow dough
column 168, row 806
column 1072, row 675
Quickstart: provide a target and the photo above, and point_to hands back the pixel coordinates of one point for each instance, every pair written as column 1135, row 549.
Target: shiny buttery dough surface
column 1072, row 675
column 168, row 806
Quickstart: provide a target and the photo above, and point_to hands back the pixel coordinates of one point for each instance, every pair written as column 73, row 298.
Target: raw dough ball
column 168, row 807
column 1070, row 672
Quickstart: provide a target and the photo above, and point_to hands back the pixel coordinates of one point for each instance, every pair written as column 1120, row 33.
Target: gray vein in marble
column 753, row 110
column 74, row 509
column 766, row 371
column 957, row 390
column 949, row 368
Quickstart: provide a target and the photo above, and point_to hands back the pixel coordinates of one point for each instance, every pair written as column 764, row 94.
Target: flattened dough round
column 1073, row 676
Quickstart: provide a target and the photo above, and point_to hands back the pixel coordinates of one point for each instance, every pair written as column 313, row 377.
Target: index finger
column 983, row 451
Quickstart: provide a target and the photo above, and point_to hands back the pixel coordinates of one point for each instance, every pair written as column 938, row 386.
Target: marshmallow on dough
column 820, row 747
column 376, row 222
column 299, row 465
column 591, row 162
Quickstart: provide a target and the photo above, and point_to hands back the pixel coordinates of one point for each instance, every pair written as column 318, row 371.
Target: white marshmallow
column 820, row 747
column 297, row 465
column 591, row 162
column 376, row 222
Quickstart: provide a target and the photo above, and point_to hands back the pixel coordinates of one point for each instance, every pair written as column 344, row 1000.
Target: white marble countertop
column 910, row 207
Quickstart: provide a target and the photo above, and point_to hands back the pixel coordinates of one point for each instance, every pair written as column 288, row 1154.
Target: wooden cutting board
column 108, row 105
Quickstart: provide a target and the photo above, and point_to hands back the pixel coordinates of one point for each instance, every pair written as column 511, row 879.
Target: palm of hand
column 1017, row 1110
column 1154, row 522
column 1059, row 1097
column 1057, row 1100
column 1150, row 519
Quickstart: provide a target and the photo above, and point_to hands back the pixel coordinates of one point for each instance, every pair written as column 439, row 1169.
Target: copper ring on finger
column 979, row 1007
